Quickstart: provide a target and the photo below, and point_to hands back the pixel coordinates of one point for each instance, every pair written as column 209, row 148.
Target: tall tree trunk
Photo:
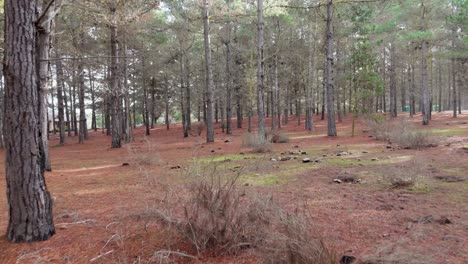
column 60, row 86
column 29, row 202
column 166, row 103
column 425, row 85
column 260, row 70
column 83, row 132
column 454, row 87
column 42, row 48
column 228, row 82
column 188, row 97
column 2, row 101
column 309, row 122
column 145, row 99
column 93, row 99
column 209, row 75
column 114, row 80
column 330, row 87
column 393, row 82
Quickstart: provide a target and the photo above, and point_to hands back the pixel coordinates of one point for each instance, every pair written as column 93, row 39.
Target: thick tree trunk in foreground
column 209, row 76
column 29, row 202
column 330, row 87
column 260, row 70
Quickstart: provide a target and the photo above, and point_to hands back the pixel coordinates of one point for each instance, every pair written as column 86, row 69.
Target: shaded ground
column 103, row 210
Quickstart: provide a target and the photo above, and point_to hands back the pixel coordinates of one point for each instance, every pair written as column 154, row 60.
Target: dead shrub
column 201, row 126
column 217, row 217
column 293, row 241
column 258, row 143
column 222, row 218
column 143, row 155
column 405, row 175
column 377, row 126
column 405, row 134
column 278, row 136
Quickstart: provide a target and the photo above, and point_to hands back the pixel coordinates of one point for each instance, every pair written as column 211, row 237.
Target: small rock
column 388, row 146
column 273, row 160
column 374, row 159
column 306, row 160
column 284, row 158
column 246, row 184
column 384, row 207
column 212, row 151
column 175, row 167
column 347, row 260
column 226, row 141
column 386, row 235
column 429, row 219
column 303, row 153
column 296, row 146
column 125, row 164
column 324, row 155
column 337, row 180
column 365, row 152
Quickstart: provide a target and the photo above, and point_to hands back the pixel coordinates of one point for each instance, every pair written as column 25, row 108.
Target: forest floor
column 104, row 211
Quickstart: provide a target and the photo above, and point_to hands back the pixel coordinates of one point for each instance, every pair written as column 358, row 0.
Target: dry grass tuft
column 221, row 217
column 278, row 136
column 258, row 143
column 144, row 155
column 404, row 133
column 294, row 242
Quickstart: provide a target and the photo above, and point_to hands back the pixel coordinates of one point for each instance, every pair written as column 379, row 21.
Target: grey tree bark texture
column 60, row 97
column 329, row 67
column 43, row 48
column 114, row 81
column 260, row 70
column 209, row 76
column 29, row 202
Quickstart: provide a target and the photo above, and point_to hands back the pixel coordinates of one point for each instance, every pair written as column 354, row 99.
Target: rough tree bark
column 60, row 86
column 209, row 75
column 114, row 80
column 48, row 10
column 260, row 70
column 228, row 81
column 330, row 87
column 426, row 97
column 29, row 202
column 393, row 91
